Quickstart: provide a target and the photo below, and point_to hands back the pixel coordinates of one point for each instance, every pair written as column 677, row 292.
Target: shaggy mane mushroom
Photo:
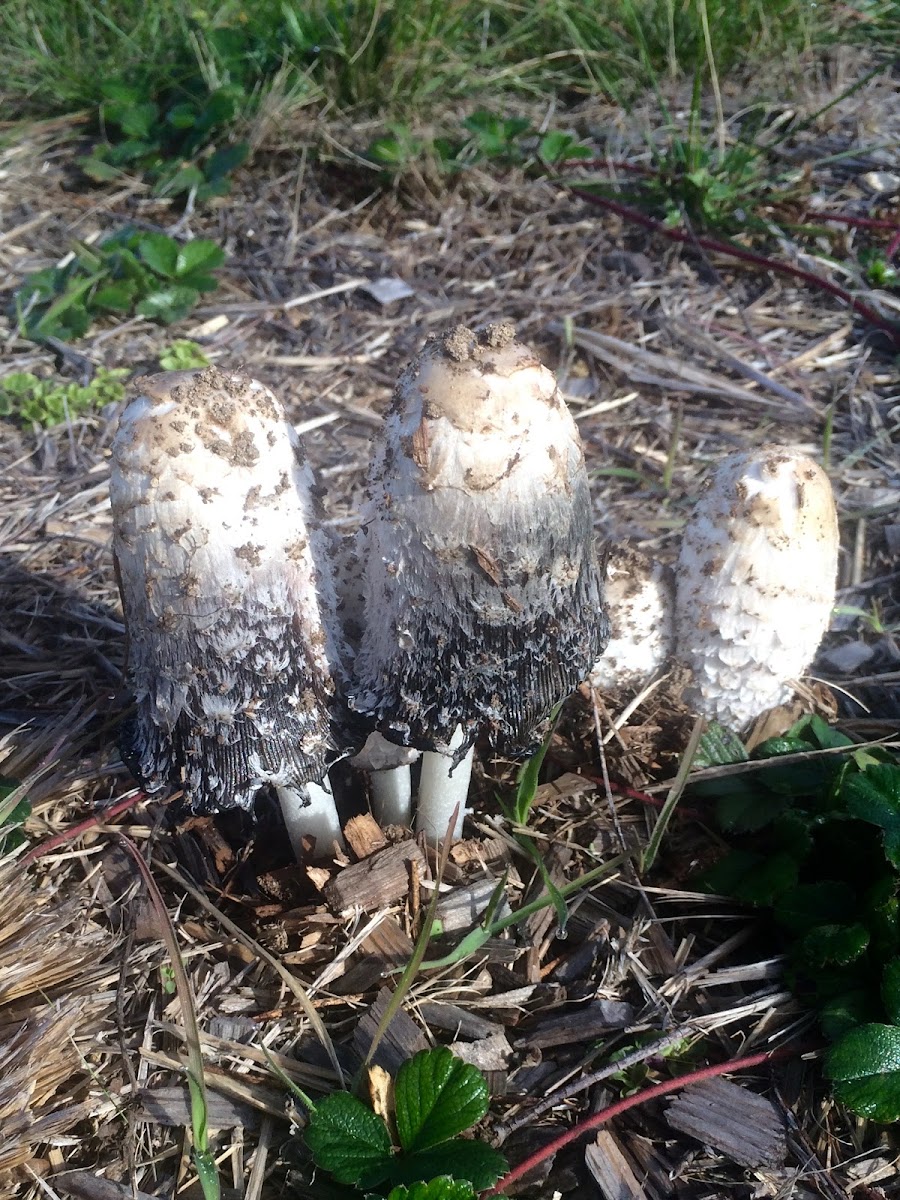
column 230, row 616
column 482, row 600
column 755, row 582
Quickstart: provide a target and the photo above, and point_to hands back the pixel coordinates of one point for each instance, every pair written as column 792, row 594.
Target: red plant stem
column 621, row 1106
column 619, row 789
column 69, row 835
column 849, row 219
column 758, row 260
column 893, row 246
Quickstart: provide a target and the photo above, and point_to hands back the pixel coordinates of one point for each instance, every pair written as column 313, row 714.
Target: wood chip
column 364, row 835
column 744, row 1126
column 491, row 1056
column 458, row 1021
column 462, row 907
column 377, row 881
column 402, row 1038
column 611, row 1169
column 581, row 1024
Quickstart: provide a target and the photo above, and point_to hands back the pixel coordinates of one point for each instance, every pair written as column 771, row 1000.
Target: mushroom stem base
column 441, row 787
column 310, row 811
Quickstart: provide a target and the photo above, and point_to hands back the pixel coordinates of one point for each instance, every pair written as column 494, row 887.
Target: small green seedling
column 436, row 1096
column 820, row 849
column 131, row 273
column 182, row 355
column 49, row 402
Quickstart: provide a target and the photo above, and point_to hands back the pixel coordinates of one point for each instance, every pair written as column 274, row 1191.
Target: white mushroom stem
column 310, row 811
column 441, row 788
column 388, row 765
column 392, row 796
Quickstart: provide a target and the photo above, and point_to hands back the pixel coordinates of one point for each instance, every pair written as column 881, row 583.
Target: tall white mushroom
column 229, row 607
column 482, row 597
column 755, row 582
column 640, row 601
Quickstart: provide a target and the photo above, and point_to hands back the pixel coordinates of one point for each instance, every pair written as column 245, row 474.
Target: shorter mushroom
column 482, row 597
column 232, row 646
column 755, row 582
column 640, row 601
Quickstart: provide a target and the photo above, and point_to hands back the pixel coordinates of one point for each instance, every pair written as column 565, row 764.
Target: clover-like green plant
column 820, row 849
column 436, row 1097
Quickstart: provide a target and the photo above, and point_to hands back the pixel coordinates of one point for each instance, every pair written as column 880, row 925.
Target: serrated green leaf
column 826, row 902
column 836, row 944
column 719, row 747
column 168, row 304
column 874, row 796
column 437, row 1096
column 182, row 179
column 117, row 297
column 845, row 1012
column 225, row 160
column 198, row 254
column 159, row 252
column 748, row 809
column 820, row 733
column 443, row 1188
column 890, row 989
column 96, row 168
column 864, row 1051
column 865, row 1068
column 348, row 1139
column 475, row 1163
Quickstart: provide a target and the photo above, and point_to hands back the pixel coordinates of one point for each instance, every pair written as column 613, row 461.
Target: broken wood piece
column 458, row 1021
column 461, row 908
column 491, row 1056
column 402, row 1038
column 377, row 881
column 611, row 1169
column 171, row 1106
column 746, row 1127
column 582, row 1024
column 364, row 835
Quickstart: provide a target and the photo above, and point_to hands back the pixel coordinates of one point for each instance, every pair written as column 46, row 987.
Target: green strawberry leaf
column 443, row 1188
column 844, row 1012
column 832, row 945
column 874, row 796
column 476, row 1164
column 802, row 908
column 346, row 1138
column 159, row 252
column 437, row 1095
column 865, row 1068
column 199, row 253
column 718, row 747
column 168, row 304
column 890, row 989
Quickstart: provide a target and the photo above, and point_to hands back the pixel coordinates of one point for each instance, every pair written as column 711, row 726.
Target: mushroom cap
column 640, row 599
column 482, row 597
column 755, row 582
column 231, row 653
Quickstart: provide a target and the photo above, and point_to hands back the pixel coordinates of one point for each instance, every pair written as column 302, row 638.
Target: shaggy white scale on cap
column 640, row 600
column 231, row 654
column 755, row 582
